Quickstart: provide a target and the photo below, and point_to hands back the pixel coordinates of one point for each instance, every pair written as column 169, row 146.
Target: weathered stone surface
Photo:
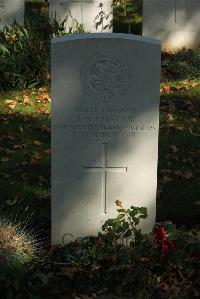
column 175, row 22
column 11, row 10
column 95, row 15
column 105, row 120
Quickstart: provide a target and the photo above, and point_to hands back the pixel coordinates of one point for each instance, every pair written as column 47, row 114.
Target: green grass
column 179, row 154
column 25, row 158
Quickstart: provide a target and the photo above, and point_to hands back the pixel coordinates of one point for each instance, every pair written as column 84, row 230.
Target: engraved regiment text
column 105, row 121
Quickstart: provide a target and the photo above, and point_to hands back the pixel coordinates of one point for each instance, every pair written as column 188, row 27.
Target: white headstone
column 105, row 119
column 175, row 22
column 90, row 13
column 11, row 10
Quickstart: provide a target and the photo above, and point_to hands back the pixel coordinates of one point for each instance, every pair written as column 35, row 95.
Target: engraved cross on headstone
column 104, row 169
column 180, row 10
column 81, row 4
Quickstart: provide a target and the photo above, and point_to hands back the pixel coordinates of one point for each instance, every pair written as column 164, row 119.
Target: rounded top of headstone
column 122, row 36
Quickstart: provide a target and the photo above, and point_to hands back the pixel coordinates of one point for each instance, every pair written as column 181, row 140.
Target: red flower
column 167, row 246
column 159, row 235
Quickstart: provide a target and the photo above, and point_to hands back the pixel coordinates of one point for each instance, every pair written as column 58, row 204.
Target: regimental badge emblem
column 105, row 77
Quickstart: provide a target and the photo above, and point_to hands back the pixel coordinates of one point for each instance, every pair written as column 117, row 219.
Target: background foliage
column 25, row 50
column 127, row 16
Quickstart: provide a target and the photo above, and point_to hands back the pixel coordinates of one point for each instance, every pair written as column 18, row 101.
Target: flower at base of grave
column 167, row 246
column 159, row 235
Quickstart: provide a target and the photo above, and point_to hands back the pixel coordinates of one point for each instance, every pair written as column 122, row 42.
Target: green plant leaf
column 4, row 49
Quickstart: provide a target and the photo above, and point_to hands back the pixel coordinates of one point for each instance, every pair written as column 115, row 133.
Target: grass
column 178, row 168
column 25, row 153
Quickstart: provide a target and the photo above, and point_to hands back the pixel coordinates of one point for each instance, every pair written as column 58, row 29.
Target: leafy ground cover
column 25, row 152
column 178, row 172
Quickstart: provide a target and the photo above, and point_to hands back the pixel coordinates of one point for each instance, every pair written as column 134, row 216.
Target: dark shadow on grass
column 179, row 197
column 25, row 177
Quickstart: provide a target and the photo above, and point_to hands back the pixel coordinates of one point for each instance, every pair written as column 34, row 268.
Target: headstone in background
column 11, row 10
column 94, row 16
column 175, row 22
column 105, row 120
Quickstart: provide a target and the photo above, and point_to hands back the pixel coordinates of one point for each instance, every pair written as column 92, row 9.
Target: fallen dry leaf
column 48, row 151
column 37, row 142
column 10, row 104
column 195, row 84
column 180, row 87
column 27, row 101
column 42, row 109
column 169, row 117
column 42, row 89
column 44, row 98
column 165, row 179
column 186, row 82
column 36, row 157
column 167, row 89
